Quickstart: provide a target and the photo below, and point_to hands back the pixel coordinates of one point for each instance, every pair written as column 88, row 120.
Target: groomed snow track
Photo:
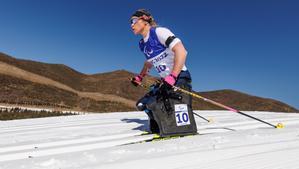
column 102, row 141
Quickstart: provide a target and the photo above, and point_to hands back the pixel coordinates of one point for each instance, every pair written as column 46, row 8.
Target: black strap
column 169, row 40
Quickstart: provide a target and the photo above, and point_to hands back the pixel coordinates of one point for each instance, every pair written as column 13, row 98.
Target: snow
column 100, row 141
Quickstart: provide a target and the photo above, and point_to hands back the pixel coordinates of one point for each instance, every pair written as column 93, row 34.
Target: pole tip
column 210, row 120
column 279, row 126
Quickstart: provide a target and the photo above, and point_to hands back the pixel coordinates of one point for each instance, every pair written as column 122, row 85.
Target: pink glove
column 137, row 80
column 170, row 79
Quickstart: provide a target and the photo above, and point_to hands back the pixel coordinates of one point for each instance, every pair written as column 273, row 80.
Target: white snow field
column 100, row 141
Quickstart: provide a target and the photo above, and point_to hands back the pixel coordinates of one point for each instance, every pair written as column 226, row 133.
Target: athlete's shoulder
column 163, row 34
column 162, row 28
column 163, row 31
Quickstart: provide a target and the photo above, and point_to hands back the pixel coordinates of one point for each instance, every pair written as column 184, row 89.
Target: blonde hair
column 153, row 23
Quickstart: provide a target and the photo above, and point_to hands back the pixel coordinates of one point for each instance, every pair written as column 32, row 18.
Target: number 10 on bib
column 181, row 114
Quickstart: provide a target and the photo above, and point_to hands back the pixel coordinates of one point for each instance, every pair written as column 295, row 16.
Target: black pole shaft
column 256, row 118
column 201, row 117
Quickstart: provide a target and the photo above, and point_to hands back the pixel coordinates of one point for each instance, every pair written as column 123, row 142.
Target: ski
column 148, row 137
column 157, row 137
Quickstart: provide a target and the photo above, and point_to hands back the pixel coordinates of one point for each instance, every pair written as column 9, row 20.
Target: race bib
column 181, row 114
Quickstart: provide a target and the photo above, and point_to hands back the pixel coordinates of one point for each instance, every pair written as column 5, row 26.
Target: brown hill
column 54, row 79
column 242, row 101
column 56, row 85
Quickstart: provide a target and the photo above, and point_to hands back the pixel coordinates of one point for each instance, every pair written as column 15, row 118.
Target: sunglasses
column 134, row 20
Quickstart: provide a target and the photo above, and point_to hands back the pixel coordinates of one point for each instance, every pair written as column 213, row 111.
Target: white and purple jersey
column 156, row 52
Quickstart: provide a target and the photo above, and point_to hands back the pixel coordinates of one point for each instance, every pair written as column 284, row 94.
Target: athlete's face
column 137, row 25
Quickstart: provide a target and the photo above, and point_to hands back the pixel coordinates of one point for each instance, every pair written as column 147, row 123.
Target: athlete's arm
column 168, row 39
column 146, row 68
column 180, row 55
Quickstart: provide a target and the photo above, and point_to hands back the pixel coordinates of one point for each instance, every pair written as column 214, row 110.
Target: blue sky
column 251, row 45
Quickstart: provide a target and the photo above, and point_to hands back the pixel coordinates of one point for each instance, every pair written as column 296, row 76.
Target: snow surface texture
column 99, row 141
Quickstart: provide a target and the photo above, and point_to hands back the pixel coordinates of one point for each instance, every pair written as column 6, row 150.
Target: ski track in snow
column 101, row 141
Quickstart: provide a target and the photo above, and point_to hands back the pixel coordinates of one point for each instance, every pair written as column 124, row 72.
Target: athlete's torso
column 161, row 57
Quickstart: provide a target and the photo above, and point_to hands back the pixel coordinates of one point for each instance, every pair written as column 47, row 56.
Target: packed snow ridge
column 103, row 141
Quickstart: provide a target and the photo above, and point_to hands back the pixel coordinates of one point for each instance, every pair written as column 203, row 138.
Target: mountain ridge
column 113, row 87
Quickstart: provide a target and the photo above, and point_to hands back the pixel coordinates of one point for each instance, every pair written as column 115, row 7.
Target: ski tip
column 279, row 126
column 156, row 136
column 145, row 133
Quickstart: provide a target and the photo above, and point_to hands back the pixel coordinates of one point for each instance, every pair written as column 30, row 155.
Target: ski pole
column 208, row 120
column 279, row 125
column 145, row 86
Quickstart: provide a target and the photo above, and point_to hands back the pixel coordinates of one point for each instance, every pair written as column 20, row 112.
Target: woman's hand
column 170, row 79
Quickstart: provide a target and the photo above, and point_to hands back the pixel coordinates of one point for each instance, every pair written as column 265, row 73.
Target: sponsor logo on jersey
column 159, row 58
